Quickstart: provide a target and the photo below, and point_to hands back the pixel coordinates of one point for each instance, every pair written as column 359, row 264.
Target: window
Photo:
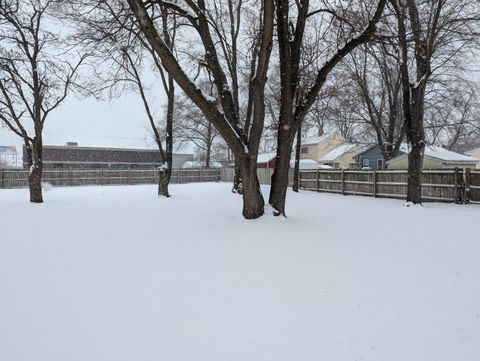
column 365, row 162
column 304, row 150
column 380, row 163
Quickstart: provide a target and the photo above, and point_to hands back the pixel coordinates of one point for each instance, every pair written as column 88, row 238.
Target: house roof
column 266, row 157
column 191, row 164
column 337, row 152
column 305, row 164
column 317, row 139
column 439, row 153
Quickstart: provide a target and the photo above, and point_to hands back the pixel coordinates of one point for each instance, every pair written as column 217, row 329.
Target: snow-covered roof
column 305, row 164
column 317, row 139
column 337, row 152
column 195, row 164
column 439, row 153
column 265, row 158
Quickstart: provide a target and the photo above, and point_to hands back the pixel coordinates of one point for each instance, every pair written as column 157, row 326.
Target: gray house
column 370, row 158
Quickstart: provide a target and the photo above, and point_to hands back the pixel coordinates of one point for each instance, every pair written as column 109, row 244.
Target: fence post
column 375, row 184
column 458, row 197
column 2, row 179
column 318, row 182
column 200, row 175
column 343, row 182
column 466, row 186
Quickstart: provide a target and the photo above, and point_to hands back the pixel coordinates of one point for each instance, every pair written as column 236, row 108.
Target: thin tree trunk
column 209, row 146
column 296, row 171
column 166, row 168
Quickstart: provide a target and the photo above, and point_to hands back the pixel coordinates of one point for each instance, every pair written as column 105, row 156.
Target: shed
column 436, row 158
column 267, row 160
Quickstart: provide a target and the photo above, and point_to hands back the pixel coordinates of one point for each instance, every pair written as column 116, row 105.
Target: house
column 371, row 157
column 267, row 160
column 475, row 153
column 72, row 156
column 341, row 156
column 316, row 147
column 436, row 158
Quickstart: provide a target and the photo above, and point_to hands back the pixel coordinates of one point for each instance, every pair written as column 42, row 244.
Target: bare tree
column 191, row 126
column 354, row 23
column 217, row 27
column 433, row 36
column 35, row 77
column 108, row 30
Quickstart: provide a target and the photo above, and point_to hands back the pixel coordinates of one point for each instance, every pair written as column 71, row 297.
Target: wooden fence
column 264, row 175
column 61, row 178
column 444, row 185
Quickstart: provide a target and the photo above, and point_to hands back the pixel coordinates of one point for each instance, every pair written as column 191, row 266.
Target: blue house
column 371, row 158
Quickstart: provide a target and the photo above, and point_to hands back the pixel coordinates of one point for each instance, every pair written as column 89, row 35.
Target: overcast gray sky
column 118, row 123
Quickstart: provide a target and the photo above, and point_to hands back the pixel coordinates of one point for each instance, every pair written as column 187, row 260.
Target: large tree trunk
column 416, row 137
column 415, row 165
column 237, row 179
column 296, row 171
column 34, row 154
column 278, row 190
column 163, row 182
column 253, row 202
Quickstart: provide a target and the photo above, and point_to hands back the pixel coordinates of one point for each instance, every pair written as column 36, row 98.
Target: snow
column 337, row 152
column 317, row 139
column 118, row 274
column 442, row 154
column 266, row 157
column 305, row 164
column 447, row 155
column 195, row 164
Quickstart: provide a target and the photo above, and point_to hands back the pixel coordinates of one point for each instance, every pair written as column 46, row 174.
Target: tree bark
column 237, row 179
column 34, row 154
column 253, row 202
column 296, row 171
column 278, row 190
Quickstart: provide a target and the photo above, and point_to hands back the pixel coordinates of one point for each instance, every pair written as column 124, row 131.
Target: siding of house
column 476, row 154
column 428, row 163
column 344, row 160
column 373, row 155
column 317, row 151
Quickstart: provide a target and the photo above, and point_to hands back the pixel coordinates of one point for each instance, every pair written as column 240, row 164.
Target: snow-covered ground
column 117, row 274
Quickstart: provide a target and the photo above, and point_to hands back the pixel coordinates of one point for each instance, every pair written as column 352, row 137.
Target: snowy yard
column 117, row 274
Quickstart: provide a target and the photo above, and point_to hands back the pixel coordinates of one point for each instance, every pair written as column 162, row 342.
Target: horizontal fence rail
column 443, row 185
column 67, row 178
